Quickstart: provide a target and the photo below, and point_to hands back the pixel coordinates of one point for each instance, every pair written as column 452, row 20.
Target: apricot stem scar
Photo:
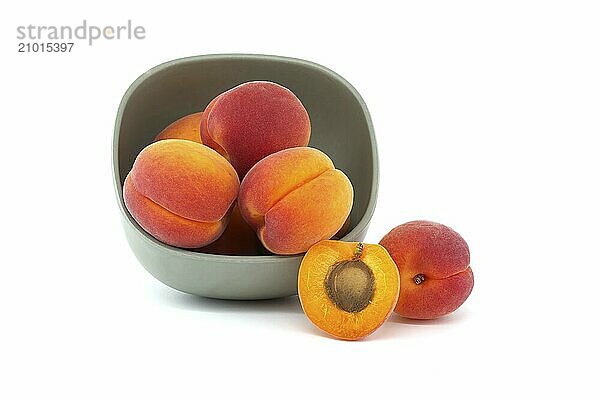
column 418, row 279
column 358, row 251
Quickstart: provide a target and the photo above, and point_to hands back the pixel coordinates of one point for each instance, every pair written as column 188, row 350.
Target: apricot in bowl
column 295, row 198
column 253, row 120
column 186, row 127
column 340, row 127
column 181, row 192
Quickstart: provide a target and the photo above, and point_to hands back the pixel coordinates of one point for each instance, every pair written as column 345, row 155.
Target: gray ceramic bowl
column 341, row 127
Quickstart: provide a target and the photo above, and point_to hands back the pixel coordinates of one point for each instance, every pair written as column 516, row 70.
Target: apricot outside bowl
column 341, row 127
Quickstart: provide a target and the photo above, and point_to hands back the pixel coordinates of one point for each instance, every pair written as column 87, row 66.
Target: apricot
column 295, row 198
column 347, row 289
column 181, row 192
column 251, row 121
column 187, row 127
column 238, row 239
column 434, row 266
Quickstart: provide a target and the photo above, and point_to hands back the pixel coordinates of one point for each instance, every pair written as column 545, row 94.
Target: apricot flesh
column 434, row 266
column 252, row 120
column 347, row 289
column 294, row 199
column 181, row 192
column 187, row 127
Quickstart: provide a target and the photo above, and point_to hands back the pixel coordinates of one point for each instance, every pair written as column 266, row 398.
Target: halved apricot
column 348, row 289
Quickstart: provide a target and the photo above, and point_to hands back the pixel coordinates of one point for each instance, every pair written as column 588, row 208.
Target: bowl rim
column 221, row 258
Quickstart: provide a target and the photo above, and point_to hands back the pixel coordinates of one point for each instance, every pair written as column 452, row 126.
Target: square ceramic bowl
column 341, row 127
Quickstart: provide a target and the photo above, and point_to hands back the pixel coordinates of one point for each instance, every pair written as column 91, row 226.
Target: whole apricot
column 252, row 120
column 295, row 198
column 186, row 127
column 434, row 266
column 181, row 192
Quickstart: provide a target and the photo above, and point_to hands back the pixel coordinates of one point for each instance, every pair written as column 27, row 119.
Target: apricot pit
column 350, row 285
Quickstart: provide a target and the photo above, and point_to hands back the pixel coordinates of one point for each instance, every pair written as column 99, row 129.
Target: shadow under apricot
column 395, row 328
column 450, row 319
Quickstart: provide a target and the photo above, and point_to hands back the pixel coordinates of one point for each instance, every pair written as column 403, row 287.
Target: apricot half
column 434, row 265
column 347, row 289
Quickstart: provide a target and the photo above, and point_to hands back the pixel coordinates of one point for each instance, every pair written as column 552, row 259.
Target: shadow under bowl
column 341, row 127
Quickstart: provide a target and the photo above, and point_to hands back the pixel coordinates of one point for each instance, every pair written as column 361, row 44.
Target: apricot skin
column 251, row 121
column 187, row 127
column 318, row 306
column 166, row 226
column 434, row 266
column 181, row 192
column 294, row 199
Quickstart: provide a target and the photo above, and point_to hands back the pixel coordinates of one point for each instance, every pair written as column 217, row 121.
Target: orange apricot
column 181, row 192
column 295, row 198
column 187, row 127
column 347, row 289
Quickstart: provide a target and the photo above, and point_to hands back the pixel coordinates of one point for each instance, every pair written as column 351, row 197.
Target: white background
column 487, row 118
